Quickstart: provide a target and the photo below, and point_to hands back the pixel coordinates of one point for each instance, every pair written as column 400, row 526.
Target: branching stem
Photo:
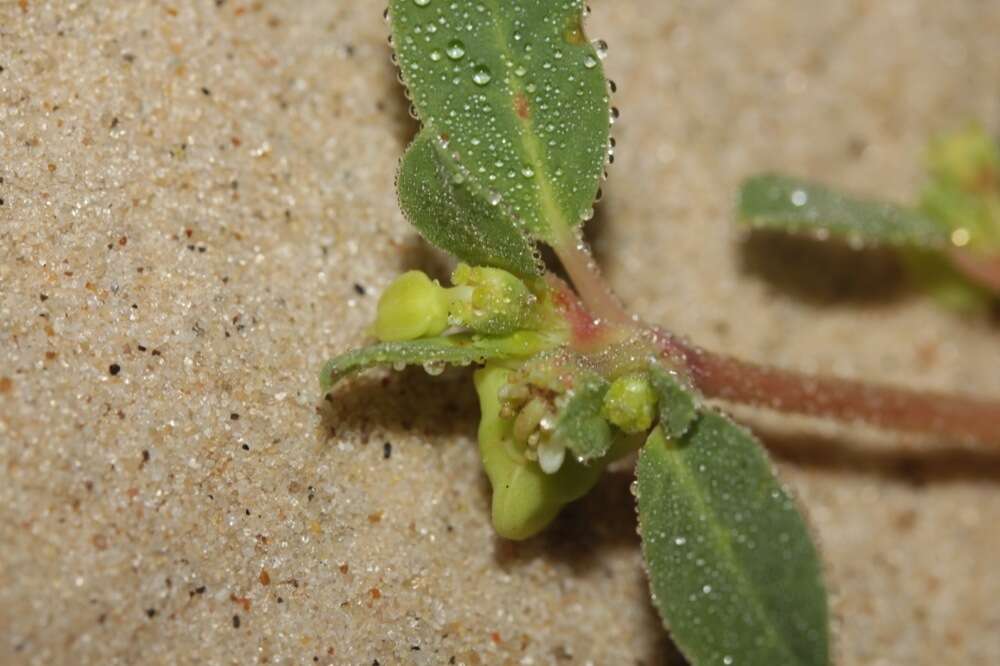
column 719, row 376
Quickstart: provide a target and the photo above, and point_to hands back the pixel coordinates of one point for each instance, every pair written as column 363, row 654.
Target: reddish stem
column 982, row 269
column 727, row 378
column 905, row 410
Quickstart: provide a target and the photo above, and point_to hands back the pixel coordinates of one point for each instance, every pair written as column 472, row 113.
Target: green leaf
column 516, row 97
column 580, row 425
column 732, row 568
column 432, row 352
column 448, row 215
column 677, row 405
column 788, row 204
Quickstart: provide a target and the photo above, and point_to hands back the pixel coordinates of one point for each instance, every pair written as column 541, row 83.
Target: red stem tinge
column 718, row 376
column 905, row 410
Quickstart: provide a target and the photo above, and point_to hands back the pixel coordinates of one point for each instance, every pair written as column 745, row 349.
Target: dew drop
column 799, row 198
column 493, row 198
column 433, row 368
column 601, row 47
column 527, row 171
column 435, row 55
column 481, row 76
column 399, row 366
column 727, row 660
column 421, row 3
column 590, row 62
column 455, row 50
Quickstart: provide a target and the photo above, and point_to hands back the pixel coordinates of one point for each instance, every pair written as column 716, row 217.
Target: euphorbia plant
column 515, row 137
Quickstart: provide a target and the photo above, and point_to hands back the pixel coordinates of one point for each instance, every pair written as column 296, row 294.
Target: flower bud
column 413, row 306
column 490, row 300
column 630, row 403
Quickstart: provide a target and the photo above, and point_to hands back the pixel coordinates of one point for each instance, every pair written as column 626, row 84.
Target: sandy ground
column 196, row 208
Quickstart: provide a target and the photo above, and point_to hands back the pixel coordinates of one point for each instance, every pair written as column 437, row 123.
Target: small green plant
column 949, row 242
column 515, row 137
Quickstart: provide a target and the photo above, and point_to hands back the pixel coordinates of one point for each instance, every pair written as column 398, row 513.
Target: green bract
column 513, row 99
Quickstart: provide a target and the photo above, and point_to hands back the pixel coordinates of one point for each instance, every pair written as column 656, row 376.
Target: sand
column 198, row 209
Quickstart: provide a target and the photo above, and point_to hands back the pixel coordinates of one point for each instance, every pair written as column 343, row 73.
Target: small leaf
column 677, row 405
column 787, row 204
column 732, row 568
column 448, row 215
column 516, row 96
column 434, row 352
column 580, row 423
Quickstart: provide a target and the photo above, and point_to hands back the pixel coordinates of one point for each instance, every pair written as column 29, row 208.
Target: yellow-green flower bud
column 525, row 498
column 630, row 403
column 413, row 306
column 490, row 300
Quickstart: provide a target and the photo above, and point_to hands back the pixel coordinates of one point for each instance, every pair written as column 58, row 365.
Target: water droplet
column 680, row 541
column 435, row 55
column 601, row 47
column 799, row 198
column 493, row 198
column 527, row 171
column 455, row 50
column 431, row 367
column 727, row 660
column 481, row 76
column 421, row 3
column 590, row 62
column 586, row 214
column 399, row 366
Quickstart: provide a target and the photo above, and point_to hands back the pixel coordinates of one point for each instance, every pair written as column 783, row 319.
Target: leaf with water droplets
column 580, row 423
column 516, row 96
column 788, row 204
column 439, row 204
column 732, row 567
column 676, row 404
column 432, row 353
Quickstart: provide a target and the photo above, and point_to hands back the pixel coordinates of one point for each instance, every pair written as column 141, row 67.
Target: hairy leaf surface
column 516, row 99
column 788, row 204
column 732, row 568
column 450, row 350
column 580, row 424
column 441, row 206
column 677, row 405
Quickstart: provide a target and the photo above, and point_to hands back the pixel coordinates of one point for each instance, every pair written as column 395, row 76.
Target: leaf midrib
column 546, row 195
column 718, row 534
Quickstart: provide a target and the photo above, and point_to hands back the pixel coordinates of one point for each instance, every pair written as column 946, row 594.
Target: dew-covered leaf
column 732, row 567
column 677, row 405
column 515, row 95
column 434, row 353
column 580, row 423
column 788, row 204
column 439, row 204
